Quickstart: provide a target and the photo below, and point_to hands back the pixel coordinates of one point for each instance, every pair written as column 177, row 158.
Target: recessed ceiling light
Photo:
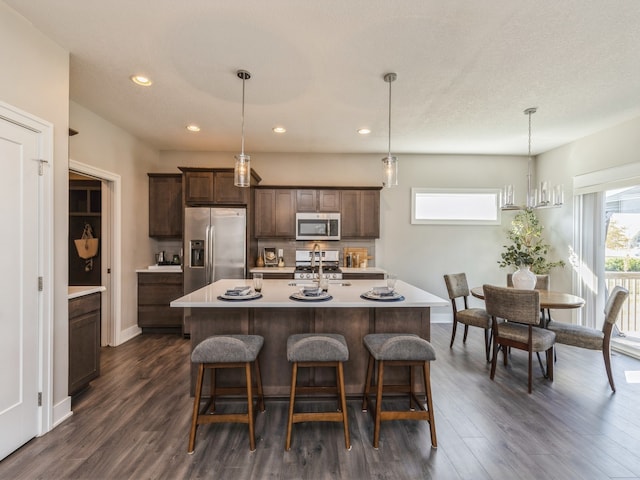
column 141, row 80
column 193, row 128
column 279, row 129
column 364, row 131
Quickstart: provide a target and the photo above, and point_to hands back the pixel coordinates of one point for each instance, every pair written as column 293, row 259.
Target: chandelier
column 390, row 163
column 542, row 197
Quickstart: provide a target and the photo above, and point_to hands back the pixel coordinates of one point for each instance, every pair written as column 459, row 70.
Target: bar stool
column 318, row 350
column 408, row 350
column 226, row 351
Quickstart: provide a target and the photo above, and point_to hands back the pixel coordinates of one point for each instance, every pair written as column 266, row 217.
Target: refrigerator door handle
column 207, row 254
column 212, row 253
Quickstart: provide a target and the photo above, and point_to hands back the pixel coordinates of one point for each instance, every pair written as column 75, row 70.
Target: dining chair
column 592, row 338
column 457, row 287
column 520, row 310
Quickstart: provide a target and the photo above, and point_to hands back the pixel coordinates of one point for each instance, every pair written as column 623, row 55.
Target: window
column 480, row 206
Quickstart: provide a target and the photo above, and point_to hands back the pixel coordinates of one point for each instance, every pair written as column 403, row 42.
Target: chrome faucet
column 316, row 247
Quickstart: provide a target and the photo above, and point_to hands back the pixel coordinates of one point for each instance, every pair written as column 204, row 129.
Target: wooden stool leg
column 259, row 386
column 196, row 410
column 427, row 388
column 367, row 384
column 212, row 389
column 343, row 404
column 292, row 399
column 252, row 438
column 411, row 389
column 376, row 427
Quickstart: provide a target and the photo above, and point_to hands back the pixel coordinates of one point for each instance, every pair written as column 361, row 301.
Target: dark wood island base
column 276, row 324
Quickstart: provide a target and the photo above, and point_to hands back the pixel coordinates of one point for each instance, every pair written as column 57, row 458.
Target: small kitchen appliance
column 308, row 265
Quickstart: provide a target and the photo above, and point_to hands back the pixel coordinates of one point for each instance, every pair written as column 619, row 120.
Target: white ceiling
column 466, row 70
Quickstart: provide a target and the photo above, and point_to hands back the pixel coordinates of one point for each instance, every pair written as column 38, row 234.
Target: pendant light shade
column 390, row 163
column 242, row 169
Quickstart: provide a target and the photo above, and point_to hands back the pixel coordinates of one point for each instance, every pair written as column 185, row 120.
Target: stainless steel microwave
column 317, row 226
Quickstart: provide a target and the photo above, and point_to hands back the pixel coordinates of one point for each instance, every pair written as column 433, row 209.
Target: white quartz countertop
column 160, row 269
column 275, row 294
column 82, row 290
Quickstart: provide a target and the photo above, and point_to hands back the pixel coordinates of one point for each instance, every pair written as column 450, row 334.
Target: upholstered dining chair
column 591, row 338
column 457, row 287
column 521, row 311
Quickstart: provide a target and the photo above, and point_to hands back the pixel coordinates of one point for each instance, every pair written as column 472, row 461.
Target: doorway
column 110, row 270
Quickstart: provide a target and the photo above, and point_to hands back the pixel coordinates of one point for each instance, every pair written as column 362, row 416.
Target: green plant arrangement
column 528, row 246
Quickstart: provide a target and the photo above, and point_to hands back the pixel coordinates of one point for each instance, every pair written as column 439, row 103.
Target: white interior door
column 21, row 301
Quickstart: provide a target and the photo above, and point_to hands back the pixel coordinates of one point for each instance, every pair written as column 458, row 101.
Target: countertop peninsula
column 275, row 294
column 275, row 316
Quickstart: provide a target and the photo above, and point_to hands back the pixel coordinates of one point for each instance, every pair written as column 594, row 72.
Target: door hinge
column 108, row 270
column 39, row 399
column 41, row 164
column 40, row 284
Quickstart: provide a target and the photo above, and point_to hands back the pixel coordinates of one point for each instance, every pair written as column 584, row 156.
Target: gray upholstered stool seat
column 318, row 350
column 406, row 350
column 226, row 351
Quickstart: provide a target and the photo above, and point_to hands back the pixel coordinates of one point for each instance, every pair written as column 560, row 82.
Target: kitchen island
column 275, row 316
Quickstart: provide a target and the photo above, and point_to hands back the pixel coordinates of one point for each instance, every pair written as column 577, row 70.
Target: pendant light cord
column 389, row 154
column 242, row 149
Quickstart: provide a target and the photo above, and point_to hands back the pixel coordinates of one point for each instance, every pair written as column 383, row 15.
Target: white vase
column 524, row 278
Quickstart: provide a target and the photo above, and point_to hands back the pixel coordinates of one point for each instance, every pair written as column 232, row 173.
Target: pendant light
column 390, row 163
column 536, row 198
column 242, row 170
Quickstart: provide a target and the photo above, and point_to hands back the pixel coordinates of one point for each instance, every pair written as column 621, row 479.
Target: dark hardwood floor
column 134, row 423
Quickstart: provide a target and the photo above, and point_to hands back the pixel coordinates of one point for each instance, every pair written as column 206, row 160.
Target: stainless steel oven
column 317, row 226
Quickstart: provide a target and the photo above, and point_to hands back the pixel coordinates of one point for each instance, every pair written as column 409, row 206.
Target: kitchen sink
column 304, row 283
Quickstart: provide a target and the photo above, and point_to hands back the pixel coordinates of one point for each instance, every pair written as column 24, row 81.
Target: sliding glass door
column 622, row 262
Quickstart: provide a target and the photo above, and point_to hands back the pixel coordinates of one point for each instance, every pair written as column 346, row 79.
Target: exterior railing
column 629, row 320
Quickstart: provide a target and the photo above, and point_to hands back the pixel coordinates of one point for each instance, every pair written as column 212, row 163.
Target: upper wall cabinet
column 165, row 205
column 275, row 213
column 360, row 213
column 309, row 200
column 205, row 186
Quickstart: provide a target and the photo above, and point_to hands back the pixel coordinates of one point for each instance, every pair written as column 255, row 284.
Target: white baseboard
column 61, row 412
column 128, row 334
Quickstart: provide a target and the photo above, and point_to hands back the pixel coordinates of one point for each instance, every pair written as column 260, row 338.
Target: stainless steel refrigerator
column 214, row 247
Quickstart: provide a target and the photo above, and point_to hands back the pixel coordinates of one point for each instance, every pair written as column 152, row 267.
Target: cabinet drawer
column 81, row 305
column 160, row 279
column 158, row 294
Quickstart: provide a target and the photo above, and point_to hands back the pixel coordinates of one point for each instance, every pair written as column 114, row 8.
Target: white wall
column 615, row 146
column 421, row 254
column 105, row 146
column 35, row 79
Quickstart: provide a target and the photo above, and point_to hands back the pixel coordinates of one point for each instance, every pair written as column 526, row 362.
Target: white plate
column 374, row 296
column 311, row 298
column 250, row 296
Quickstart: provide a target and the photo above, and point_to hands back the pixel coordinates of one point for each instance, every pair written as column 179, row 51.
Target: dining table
column 549, row 299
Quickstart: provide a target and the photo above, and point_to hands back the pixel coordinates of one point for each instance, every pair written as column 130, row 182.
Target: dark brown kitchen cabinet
column 155, row 293
column 274, row 213
column 84, row 341
column 203, row 186
column 311, row 200
column 165, row 205
column 360, row 213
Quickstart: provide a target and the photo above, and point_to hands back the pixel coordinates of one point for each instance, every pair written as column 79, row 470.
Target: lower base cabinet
column 155, row 293
column 84, row 341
